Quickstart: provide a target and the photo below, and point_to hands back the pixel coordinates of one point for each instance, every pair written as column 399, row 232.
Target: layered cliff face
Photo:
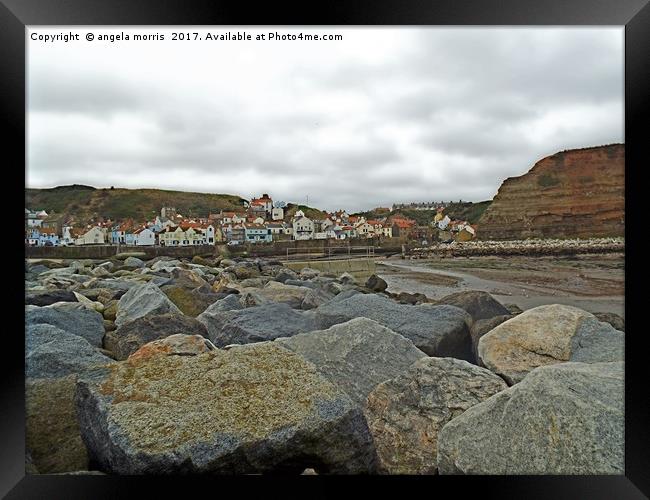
column 578, row 193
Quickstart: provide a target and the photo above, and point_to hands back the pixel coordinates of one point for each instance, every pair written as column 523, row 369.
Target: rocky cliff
column 577, row 193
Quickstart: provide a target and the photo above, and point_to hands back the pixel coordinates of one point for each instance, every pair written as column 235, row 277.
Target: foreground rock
column 612, row 318
column 356, row 355
column 561, row 419
column 479, row 305
column 141, row 300
column 439, row 330
column 376, row 284
column 47, row 297
column 51, row 430
column 406, row 414
column 51, row 353
column 129, row 338
column 255, row 324
column 191, row 302
column 72, row 318
column 250, row 409
column 546, row 335
column 483, row 326
column 178, row 344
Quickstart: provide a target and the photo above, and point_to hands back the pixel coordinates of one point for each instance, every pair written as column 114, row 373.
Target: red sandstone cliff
column 577, row 193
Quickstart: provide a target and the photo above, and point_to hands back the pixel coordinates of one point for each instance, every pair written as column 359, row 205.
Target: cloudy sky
column 383, row 116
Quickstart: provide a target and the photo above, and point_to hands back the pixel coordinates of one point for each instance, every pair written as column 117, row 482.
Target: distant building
column 94, row 236
column 167, row 213
column 277, row 213
column 257, row 233
column 303, row 228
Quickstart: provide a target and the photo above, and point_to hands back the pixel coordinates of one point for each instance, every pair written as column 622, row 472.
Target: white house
column 94, row 236
column 209, row 235
column 145, row 237
column 303, row 228
column 67, row 238
column 277, row 213
column 442, row 224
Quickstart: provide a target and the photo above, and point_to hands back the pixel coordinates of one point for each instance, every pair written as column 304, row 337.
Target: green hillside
column 312, row 213
column 469, row 211
column 87, row 203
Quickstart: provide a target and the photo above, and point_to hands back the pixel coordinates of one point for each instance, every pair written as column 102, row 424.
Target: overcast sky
column 383, row 116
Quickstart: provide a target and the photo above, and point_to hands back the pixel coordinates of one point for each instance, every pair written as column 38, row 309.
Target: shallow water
column 525, row 297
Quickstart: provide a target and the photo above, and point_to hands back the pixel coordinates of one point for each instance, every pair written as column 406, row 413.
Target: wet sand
column 595, row 283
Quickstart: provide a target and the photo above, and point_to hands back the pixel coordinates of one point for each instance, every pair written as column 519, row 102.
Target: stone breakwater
column 529, row 247
column 239, row 366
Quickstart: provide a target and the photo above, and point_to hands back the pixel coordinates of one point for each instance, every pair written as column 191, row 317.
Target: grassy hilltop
column 87, row 203
column 471, row 212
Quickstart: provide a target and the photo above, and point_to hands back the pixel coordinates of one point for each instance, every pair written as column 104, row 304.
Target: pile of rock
column 546, row 246
column 245, row 366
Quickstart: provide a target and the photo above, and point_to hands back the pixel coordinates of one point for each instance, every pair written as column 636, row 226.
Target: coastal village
column 259, row 221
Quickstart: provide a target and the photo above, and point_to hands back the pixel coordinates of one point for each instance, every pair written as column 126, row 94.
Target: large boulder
column 51, row 430
column 73, row 318
column 376, row 284
column 133, row 262
column 47, row 297
column 243, row 271
column 251, row 409
column 255, row 324
column 406, row 414
column 130, row 337
column 191, row 302
column 546, row 335
column 483, row 326
column 316, row 298
column 187, row 279
column 282, row 293
column 178, row 344
column 356, row 355
column 560, row 419
column 51, row 352
column 143, row 299
column 479, row 305
column 612, row 318
column 436, row 330
column 286, row 274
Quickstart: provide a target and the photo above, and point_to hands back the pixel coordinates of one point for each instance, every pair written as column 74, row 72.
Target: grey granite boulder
column 51, row 429
column 406, row 414
column 479, row 305
column 483, row 326
column 51, row 352
column 133, row 262
column 70, row 317
column 251, row 409
column 435, row 330
column 255, row 324
column 546, row 335
column 355, row 355
column 612, row 318
column 561, row 419
column 308, row 273
column 286, row 274
column 47, row 297
column 130, row 337
column 376, row 284
column 141, row 300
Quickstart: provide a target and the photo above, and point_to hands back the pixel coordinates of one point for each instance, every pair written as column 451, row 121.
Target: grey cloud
column 466, row 98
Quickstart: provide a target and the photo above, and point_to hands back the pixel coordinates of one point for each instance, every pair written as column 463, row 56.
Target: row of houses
column 260, row 221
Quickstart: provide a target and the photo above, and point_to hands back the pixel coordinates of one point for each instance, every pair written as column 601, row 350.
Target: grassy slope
column 312, row 213
column 468, row 211
column 86, row 203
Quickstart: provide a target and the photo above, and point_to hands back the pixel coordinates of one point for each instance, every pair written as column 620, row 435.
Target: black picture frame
column 633, row 14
